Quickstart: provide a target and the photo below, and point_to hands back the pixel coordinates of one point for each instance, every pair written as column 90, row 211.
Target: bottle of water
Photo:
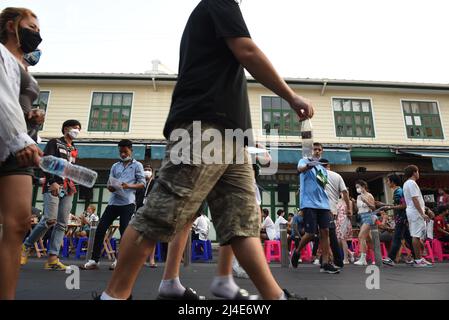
column 307, row 139
column 65, row 169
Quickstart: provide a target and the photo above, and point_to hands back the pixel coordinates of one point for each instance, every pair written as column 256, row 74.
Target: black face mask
column 29, row 40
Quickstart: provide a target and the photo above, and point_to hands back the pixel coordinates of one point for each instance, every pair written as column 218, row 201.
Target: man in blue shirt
column 315, row 206
column 122, row 203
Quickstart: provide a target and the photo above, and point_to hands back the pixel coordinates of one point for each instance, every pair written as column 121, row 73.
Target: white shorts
column 417, row 226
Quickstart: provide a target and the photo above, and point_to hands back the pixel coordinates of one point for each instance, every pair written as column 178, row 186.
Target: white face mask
column 148, row 174
column 73, row 133
column 359, row 190
column 128, row 158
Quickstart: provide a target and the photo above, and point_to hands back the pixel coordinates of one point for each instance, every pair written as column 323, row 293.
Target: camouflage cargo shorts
column 180, row 189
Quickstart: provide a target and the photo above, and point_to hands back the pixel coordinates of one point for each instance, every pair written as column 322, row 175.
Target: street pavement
column 396, row 283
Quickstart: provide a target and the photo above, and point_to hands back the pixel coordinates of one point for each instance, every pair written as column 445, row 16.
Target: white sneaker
column 361, row 262
column 90, row 265
column 113, row 265
column 422, row 264
column 345, row 262
column 300, row 261
column 427, row 262
column 316, row 262
column 351, row 258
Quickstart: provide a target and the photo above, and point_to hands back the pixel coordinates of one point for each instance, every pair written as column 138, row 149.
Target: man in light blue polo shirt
column 315, row 207
column 125, row 178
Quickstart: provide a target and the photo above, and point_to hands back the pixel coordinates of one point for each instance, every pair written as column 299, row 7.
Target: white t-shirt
column 201, row 227
column 411, row 190
column 334, row 187
column 277, row 226
column 268, row 224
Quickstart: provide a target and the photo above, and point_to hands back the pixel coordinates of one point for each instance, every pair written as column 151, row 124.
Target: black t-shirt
column 211, row 82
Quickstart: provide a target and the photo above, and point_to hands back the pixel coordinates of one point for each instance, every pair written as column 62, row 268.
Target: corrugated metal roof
column 299, row 81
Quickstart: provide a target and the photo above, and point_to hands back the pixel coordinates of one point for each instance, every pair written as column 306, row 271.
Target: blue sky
column 393, row 40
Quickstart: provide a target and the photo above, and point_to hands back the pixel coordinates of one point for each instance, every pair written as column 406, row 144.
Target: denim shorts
column 367, row 218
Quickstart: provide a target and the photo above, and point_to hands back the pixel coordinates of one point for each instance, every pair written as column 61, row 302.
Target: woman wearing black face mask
column 19, row 31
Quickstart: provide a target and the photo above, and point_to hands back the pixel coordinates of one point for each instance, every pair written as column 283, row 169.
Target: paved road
column 401, row 282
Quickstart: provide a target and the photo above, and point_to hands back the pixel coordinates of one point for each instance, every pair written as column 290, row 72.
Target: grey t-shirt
column 334, row 187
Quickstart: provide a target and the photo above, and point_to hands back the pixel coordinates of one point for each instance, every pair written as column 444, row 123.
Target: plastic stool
column 206, row 245
column 355, row 246
column 429, row 252
column 437, row 247
column 79, row 247
column 272, row 250
column 158, row 252
column 65, row 247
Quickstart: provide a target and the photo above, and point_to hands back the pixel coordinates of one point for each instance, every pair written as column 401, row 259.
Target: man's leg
column 126, row 212
column 57, row 236
column 51, row 204
column 397, row 238
column 15, row 209
column 134, row 250
column 250, row 255
column 335, row 246
column 417, row 248
column 170, row 285
column 324, row 240
column 408, row 240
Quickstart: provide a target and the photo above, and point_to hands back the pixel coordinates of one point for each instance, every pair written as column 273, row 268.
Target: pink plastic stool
column 355, row 246
column 429, row 252
column 383, row 250
column 272, row 250
column 437, row 247
column 306, row 252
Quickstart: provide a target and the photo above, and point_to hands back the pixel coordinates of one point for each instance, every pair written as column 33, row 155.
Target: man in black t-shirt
column 215, row 48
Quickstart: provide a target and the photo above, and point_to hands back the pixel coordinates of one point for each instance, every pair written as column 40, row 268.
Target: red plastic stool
column 272, row 250
column 306, row 252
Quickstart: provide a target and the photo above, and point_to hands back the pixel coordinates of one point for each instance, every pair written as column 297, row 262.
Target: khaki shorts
column 180, row 190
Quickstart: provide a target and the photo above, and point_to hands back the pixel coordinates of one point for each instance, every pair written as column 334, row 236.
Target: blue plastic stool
column 114, row 244
column 79, row 247
column 65, row 247
column 158, row 252
column 207, row 250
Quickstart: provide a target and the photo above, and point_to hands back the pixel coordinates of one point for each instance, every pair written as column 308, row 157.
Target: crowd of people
column 216, row 47
column 410, row 225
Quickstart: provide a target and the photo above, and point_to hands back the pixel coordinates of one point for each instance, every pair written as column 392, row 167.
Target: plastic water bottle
column 307, row 139
column 65, row 169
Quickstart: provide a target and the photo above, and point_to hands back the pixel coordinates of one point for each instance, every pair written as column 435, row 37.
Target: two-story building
column 368, row 128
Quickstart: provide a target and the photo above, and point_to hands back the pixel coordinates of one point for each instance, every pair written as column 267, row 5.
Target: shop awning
column 440, row 158
column 279, row 155
column 293, row 155
column 103, row 151
column 157, row 152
